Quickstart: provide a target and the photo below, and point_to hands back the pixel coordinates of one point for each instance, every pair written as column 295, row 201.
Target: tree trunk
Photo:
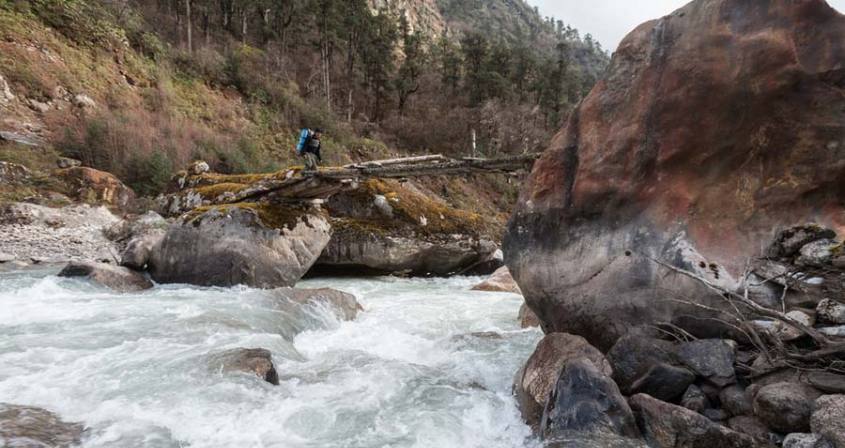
column 243, row 27
column 188, row 26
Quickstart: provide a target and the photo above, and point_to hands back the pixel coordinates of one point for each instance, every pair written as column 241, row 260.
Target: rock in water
column 24, row 426
column 665, row 425
column 586, row 400
column 500, row 281
column 117, row 278
column 527, row 318
column 257, row 361
column 345, row 305
column 686, row 153
column 259, row 245
column 536, row 380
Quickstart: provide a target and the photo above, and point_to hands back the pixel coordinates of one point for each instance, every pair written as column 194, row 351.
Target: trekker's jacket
column 308, row 144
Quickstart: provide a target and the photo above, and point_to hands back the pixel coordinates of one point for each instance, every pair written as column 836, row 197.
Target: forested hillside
column 141, row 87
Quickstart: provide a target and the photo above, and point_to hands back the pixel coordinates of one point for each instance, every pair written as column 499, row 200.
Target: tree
column 407, row 80
column 377, row 48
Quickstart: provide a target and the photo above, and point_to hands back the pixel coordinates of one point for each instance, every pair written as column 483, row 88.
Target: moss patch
column 273, row 216
column 212, row 192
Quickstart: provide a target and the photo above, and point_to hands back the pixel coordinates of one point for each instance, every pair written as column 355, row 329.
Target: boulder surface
column 24, row 426
column 690, row 151
column 117, row 278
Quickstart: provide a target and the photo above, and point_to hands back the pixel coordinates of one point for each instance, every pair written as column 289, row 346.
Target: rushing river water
column 411, row 371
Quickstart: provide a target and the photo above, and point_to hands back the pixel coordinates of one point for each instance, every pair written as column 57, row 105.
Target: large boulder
column 665, row 425
column 259, row 245
column 536, row 380
column 712, row 359
column 690, row 151
column 117, row 278
column 384, row 227
column 786, row 407
column 500, row 281
column 24, row 426
column 96, row 187
column 585, row 399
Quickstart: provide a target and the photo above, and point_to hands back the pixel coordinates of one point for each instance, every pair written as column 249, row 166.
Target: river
column 427, row 364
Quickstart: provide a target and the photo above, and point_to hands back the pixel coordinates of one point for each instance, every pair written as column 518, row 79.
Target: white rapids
column 428, row 364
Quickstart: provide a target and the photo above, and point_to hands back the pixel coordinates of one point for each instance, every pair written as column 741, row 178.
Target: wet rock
column 24, row 426
column 753, row 427
column 633, row 355
column 500, row 281
column 663, row 381
column 788, row 242
column 666, row 425
column 735, row 400
column 66, row 162
column 257, row 361
column 695, row 400
column 586, row 399
column 831, row 312
column 593, row 440
column 117, row 278
column 527, row 318
column 13, row 173
column 712, row 359
column 537, row 378
column 345, row 305
column 799, row 440
column 96, row 187
column 232, row 245
column 629, row 173
column 786, row 407
column 817, row 254
column 828, row 419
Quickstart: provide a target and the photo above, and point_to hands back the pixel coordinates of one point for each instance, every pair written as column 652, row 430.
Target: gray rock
column 633, row 355
column 838, row 331
column 753, row 427
column 828, row 419
column 806, row 440
column 6, row 258
column 789, row 242
column 817, row 254
column 586, row 399
column 13, row 173
column 593, row 440
column 383, row 205
column 6, row 94
column 527, row 318
column 663, row 381
column 827, row 382
column 29, row 427
column 666, row 425
column 258, row 362
column 736, row 400
column 228, row 246
column 134, row 226
column 139, row 250
column 831, row 312
column 536, row 380
column 695, row 400
column 198, row 167
column 83, row 101
column 712, row 359
column 785, row 407
column 717, row 415
column 117, row 278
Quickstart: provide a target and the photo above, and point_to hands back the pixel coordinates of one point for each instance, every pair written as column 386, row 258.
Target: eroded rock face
column 24, row 426
column 117, row 278
column 256, row 245
column 688, row 153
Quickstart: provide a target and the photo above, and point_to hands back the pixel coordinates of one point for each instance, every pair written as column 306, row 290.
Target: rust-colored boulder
column 714, row 127
column 96, row 187
column 500, row 281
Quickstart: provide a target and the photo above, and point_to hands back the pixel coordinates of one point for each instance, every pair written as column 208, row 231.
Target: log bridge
column 322, row 184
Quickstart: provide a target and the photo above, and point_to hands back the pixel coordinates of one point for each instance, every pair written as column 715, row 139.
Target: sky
column 610, row 20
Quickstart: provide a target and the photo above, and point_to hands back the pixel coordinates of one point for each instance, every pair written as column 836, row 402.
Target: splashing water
column 428, row 364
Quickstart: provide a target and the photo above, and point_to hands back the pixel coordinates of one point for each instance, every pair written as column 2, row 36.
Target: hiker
column 309, row 148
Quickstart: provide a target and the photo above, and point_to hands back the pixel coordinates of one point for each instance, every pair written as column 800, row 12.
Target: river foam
column 428, row 364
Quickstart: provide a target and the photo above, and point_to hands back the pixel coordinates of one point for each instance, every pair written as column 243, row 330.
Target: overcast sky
column 610, row 20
